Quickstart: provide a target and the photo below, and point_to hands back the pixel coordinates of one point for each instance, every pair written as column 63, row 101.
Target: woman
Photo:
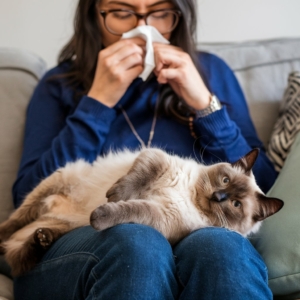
column 92, row 102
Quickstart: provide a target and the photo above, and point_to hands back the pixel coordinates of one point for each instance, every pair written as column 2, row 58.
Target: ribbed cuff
column 97, row 109
column 217, row 126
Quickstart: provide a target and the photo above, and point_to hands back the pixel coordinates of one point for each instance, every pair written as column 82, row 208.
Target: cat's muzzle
column 219, row 196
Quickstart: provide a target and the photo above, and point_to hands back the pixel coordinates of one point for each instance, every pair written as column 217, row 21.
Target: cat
column 174, row 195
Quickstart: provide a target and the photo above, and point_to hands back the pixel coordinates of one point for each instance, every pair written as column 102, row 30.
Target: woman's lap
column 74, row 267
column 132, row 261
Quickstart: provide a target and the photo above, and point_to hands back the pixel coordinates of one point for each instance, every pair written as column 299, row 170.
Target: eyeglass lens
column 119, row 22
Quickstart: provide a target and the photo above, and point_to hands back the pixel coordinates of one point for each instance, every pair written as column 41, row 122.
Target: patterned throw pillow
column 288, row 123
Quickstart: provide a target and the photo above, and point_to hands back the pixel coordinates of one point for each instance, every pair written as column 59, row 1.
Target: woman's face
column 138, row 6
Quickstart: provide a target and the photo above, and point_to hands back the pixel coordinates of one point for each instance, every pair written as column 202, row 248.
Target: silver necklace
column 151, row 133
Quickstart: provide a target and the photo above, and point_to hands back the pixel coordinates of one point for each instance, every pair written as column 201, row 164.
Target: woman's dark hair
column 83, row 48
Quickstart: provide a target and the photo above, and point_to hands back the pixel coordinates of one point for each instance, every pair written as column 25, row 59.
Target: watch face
column 213, row 106
column 215, row 103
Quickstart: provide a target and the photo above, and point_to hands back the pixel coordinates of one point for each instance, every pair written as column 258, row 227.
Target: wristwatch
column 214, row 105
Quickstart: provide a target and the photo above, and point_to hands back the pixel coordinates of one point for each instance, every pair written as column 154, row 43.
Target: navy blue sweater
column 60, row 130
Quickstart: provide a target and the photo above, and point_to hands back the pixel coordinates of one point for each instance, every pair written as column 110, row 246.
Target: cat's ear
column 268, row 206
column 247, row 161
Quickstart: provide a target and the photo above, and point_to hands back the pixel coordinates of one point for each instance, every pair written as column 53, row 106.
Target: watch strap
column 214, row 105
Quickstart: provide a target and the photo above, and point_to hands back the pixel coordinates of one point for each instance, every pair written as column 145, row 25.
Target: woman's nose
column 141, row 22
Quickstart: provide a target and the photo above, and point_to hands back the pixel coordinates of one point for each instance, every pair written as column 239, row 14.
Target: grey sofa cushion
column 262, row 68
column 19, row 74
column 6, row 288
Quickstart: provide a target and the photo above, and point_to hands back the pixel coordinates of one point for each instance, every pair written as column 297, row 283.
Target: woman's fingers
column 133, row 73
column 175, row 67
column 114, row 48
column 129, row 50
column 171, row 58
column 167, row 74
column 171, row 61
column 130, row 66
column 118, row 65
column 131, row 61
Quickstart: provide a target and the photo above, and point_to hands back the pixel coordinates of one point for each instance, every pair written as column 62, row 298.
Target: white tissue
column 149, row 34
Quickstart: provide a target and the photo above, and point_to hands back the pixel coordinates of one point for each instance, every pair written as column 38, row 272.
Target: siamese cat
column 174, row 195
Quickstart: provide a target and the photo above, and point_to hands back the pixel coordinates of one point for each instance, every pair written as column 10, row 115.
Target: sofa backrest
column 19, row 74
column 262, row 68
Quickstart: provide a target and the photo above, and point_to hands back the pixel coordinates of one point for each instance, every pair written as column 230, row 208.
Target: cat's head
column 229, row 196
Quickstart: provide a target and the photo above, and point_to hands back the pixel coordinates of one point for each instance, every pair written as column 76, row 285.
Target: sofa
column 262, row 68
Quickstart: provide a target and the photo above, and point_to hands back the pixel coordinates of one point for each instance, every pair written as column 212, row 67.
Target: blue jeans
column 131, row 261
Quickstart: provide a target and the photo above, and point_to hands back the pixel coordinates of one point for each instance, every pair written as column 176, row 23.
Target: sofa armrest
column 20, row 71
column 6, row 288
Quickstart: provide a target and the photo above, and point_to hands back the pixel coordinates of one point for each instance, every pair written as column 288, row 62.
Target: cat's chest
column 176, row 186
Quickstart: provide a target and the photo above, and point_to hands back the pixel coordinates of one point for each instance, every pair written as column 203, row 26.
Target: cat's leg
column 167, row 221
column 36, row 202
column 147, row 167
column 34, row 206
column 26, row 247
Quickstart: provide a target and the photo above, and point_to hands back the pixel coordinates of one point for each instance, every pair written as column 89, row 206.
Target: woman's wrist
column 203, row 101
column 213, row 106
column 100, row 98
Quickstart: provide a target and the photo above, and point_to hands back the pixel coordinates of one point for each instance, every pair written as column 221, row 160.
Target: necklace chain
column 152, row 130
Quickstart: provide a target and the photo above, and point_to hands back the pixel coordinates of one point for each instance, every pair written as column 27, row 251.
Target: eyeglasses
column 118, row 21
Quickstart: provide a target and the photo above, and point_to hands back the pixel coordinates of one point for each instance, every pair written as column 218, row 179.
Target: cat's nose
column 219, row 196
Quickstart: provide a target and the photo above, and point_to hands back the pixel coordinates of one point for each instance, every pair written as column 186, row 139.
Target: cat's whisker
column 203, row 149
column 204, row 183
column 222, row 218
column 201, row 153
column 195, row 155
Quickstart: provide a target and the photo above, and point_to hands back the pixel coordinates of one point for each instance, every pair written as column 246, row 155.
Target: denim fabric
column 215, row 263
column 135, row 262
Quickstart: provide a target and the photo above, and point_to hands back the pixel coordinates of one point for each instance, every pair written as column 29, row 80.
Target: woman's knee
column 220, row 249
column 215, row 241
column 139, row 258
column 136, row 243
column 223, row 262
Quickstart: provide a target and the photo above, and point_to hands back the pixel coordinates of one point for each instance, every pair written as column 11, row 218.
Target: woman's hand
column 175, row 67
column 118, row 65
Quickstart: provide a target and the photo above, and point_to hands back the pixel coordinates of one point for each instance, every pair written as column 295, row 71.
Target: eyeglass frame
column 144, row 17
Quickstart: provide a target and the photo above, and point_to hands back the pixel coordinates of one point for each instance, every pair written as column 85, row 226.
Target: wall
column 44, row 26
column 41, row 26
column 240, row 20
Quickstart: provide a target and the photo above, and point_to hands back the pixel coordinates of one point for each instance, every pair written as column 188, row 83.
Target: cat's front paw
column 23, row 257
column 102, row 217
column 118, row 191
column 44, row 237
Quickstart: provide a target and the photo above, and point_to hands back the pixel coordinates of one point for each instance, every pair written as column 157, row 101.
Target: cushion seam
column 288, row 275
column 22, row 70
column 266, row 64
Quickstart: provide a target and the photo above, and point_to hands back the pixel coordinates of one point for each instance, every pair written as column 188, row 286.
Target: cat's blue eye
column 225, row 180
column 236, row 203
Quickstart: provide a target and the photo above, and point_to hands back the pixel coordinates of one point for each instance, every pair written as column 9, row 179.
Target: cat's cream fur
column 174, row 195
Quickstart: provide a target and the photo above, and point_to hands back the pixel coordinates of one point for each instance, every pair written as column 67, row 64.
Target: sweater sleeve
column 228, row 134
column 57, row 131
